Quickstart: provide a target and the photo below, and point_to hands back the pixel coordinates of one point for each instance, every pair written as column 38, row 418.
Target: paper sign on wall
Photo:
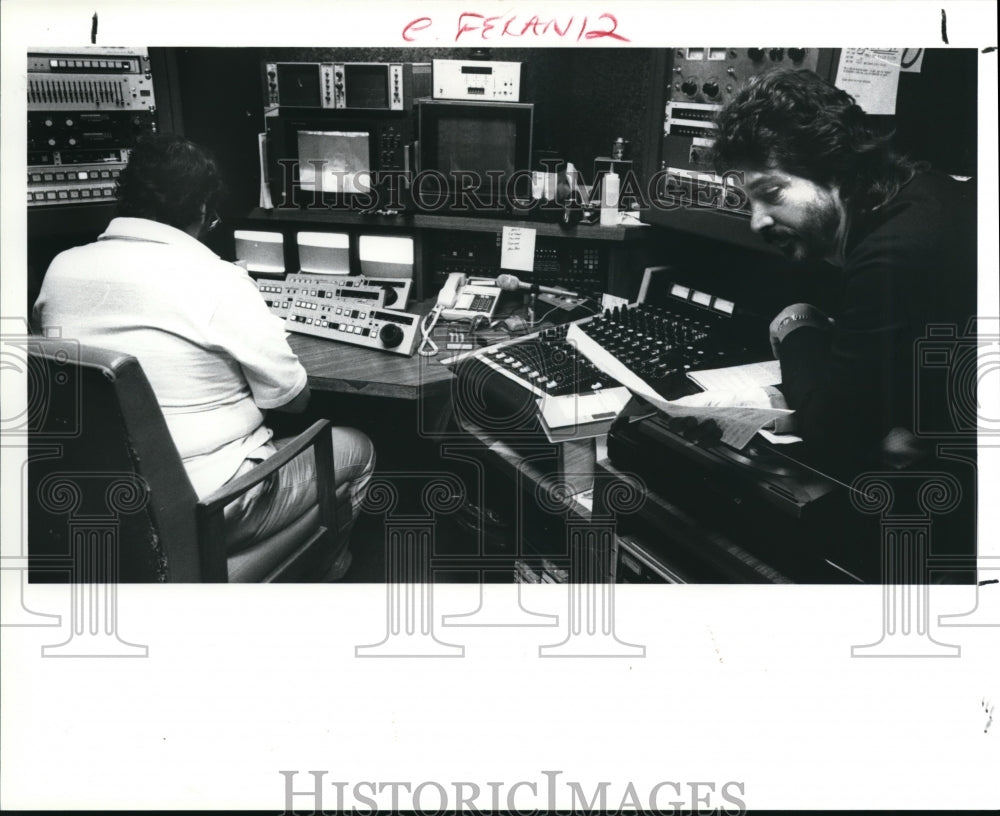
column 517, row 249
column 871, row 76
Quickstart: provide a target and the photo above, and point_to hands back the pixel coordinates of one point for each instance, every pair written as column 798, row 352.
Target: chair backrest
column 103, row 467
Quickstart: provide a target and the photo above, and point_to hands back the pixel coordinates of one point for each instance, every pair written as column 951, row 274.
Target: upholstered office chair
column 106, row 482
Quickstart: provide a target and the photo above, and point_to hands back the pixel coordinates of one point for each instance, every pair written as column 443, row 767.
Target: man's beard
column 815, row 237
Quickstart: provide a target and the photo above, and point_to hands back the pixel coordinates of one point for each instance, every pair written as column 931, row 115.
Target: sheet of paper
column 737, row 378
column 517, row 249
column 610, row 301
column 871, row 76
column 738, row 425
column 779, row 439
column 581, row 409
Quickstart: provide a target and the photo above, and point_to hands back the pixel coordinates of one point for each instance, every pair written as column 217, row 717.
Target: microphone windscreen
column 509, row 283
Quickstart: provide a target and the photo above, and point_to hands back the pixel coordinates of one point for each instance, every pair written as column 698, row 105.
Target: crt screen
column 477, row 145
column 343, row 161
column 367, row 86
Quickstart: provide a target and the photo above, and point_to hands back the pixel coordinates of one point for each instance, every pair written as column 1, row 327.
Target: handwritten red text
column 472, row 26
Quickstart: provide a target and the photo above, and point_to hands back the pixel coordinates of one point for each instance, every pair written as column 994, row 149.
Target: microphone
column 511, row 283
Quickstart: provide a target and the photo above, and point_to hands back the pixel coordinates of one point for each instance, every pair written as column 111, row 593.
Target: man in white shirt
column 214, row 355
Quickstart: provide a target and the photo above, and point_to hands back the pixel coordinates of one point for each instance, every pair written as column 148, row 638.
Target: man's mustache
column 774, row 235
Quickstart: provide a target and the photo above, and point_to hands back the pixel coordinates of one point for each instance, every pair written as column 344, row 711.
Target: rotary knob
column 711, row 88
column 690, row 87
column 391, row 296
column 796, row 54
column 756, row 54
column 390, row 335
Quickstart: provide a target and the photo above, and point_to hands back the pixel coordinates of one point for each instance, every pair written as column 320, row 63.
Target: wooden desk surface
column 347, row 369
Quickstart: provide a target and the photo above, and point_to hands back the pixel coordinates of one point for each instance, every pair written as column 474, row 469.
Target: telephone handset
column 449, row 292
column 459, row 300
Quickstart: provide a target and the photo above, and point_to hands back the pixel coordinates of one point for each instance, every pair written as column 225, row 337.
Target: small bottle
column 610, row 189
column 572, row 205
column 566, row 183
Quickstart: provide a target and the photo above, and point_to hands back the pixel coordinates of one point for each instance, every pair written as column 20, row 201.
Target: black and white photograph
column 633, row 399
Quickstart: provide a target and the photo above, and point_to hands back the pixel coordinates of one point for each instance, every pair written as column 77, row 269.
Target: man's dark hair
column 168, row 179
column 795, row 121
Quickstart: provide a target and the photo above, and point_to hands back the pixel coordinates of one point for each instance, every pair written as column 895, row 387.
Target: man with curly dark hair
column 825, row 184
column 216, row 358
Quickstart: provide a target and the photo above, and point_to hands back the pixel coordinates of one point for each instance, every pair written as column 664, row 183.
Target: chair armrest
column 209, row 511
column 237, row 487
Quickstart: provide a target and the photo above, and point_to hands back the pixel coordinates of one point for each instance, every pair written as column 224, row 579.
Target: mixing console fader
column 86, row 109
column 658, row 344
column 548, row 365
column 591, row 365
column 551, row 371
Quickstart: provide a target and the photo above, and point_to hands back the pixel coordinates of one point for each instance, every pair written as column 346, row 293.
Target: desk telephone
column 463, row 299
column 459, row 299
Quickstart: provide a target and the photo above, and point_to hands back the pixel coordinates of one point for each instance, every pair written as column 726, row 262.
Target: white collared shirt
column 213, row 353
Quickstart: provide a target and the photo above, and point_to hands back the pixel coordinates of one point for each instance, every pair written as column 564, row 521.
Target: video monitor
column 334, row 161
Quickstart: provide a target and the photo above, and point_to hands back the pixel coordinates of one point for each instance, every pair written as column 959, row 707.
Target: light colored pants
column 291, row 493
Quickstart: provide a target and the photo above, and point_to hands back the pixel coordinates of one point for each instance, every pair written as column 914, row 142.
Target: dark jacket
column 909, row 265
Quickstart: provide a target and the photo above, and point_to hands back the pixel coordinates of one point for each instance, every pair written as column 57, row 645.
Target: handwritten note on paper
column 517, row 249
column 871, row 76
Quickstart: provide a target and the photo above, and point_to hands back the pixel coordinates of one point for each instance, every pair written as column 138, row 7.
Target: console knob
column 391, row 296
column 690, row 87
column 390, row 335
column 756, row 54
column 796, row 54
column 776, row 54
column 711, row 88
